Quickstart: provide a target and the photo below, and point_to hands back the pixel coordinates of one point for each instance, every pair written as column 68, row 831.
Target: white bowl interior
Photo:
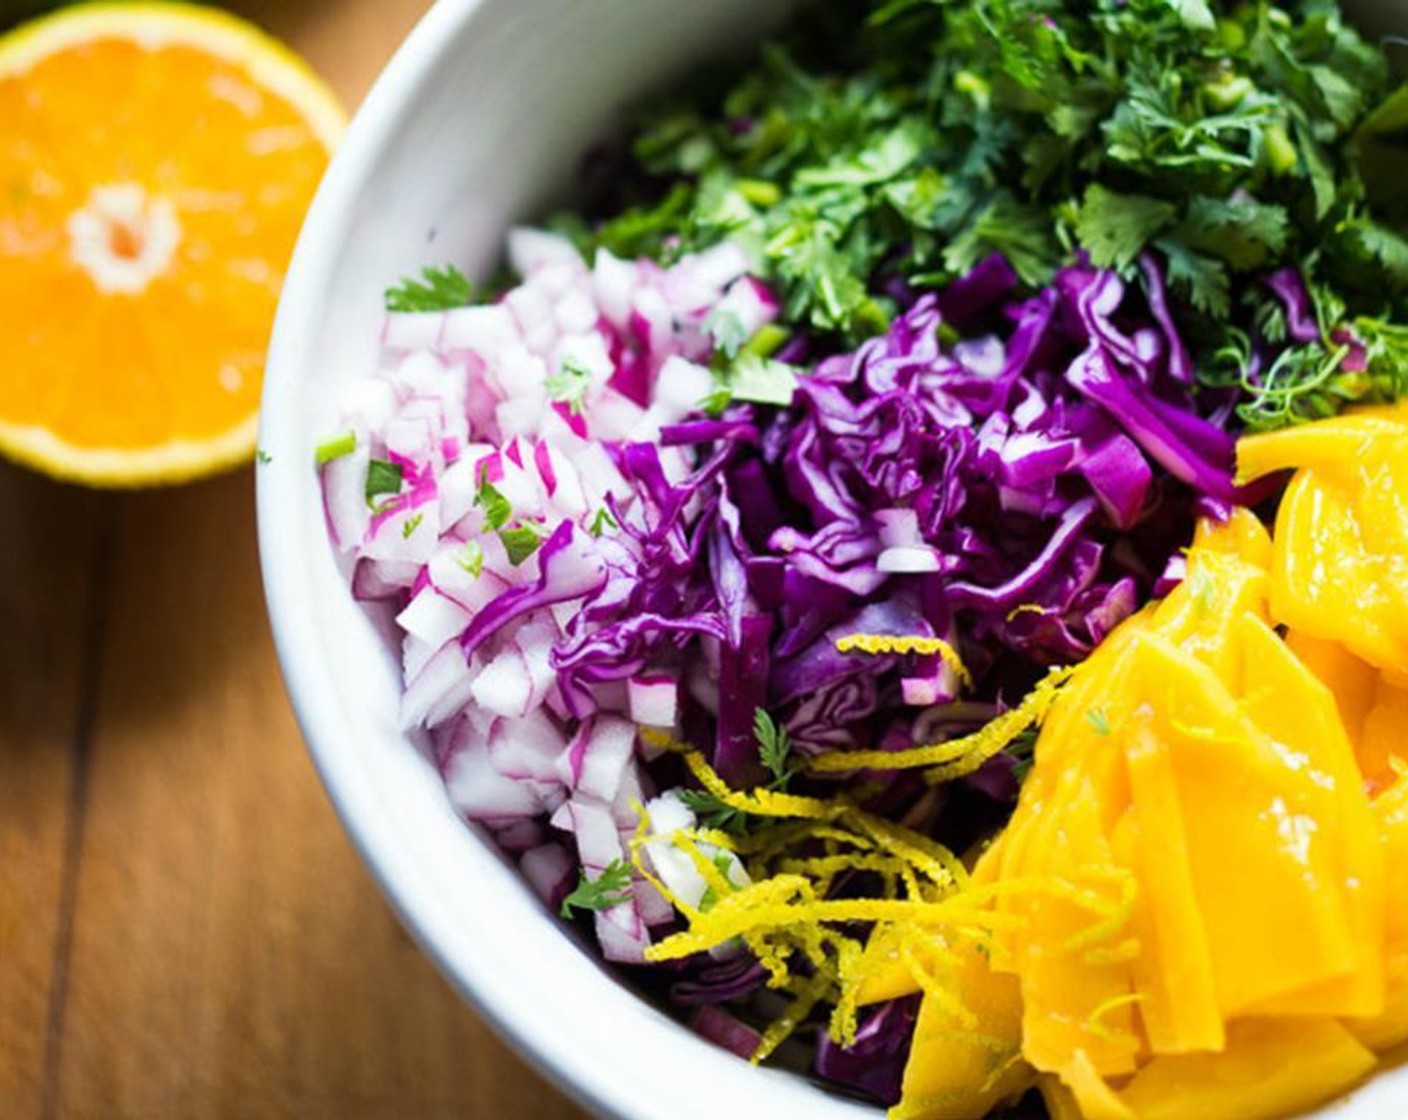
column 483, row 115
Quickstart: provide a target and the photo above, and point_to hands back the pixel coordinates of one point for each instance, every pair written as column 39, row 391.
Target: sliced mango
column 1351, row 680
column 1205, row 866
column 1270, row 1068
column 1174, row 972
column 1389, row 1028
column 961, row 1067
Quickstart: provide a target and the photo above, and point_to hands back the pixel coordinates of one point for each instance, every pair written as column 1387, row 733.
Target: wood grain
column 49, row 572
column 230, row 957
column 185, row 932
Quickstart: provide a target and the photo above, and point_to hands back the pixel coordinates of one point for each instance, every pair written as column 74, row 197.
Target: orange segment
column 155, row 166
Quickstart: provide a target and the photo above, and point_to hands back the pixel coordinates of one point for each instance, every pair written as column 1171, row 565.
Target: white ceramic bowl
column 479, row 120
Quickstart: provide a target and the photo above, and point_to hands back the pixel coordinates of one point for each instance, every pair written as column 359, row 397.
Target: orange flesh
column 183, row 358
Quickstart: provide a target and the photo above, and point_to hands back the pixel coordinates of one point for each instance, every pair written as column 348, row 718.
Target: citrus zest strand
column 955, row 757
column 877, row 644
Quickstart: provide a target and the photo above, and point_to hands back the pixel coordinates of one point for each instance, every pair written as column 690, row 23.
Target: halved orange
column 156, row 161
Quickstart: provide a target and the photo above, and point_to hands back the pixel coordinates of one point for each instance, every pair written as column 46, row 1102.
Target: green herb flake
column 727, row 330
column 383, row 477
column 760, row 380
column 497, row 510
column 520, row 542
column 569, row 385
column 1097, row 719
column 438, row 289
column 715, row 403
column 262, row 457
column 714, row 813
column 611, row 888
column 723, row 863
column 471, row 558
column 411, row 524
column 335, row 448
column 774, row 745
column 602, row 522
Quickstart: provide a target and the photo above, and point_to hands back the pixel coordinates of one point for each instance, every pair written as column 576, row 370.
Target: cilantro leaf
column 610, row 888
column 1097, row 719
column 383, row 477
column 713, row 813
column 438, row 289
column 520, row 542
column 1245, row 233
column 602, row 522
column 411, row 524
column 471, row 558
column 1201, row 280
column 774, row 745
column 1021, row 233
column 727, row 330
column 761, row 380
column 496, row 507
column 569, row 385
column 1114, row 228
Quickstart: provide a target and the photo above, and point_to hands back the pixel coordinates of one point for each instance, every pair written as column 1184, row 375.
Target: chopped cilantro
column 496, row 507
column 1203, row 588
column 262, row 457
column 520, row 542
column 774, row 745
column 383, row 477
column 723, row 863
column 1022, row 751
column 727, row 330
column 715, row 403
column 471, row 558
column 611, row 888
column 602, row 522
column 1115, row 227
column 762, row 381
column 411, row 524
column 335, row 448
column 713, row 813
column 438, row 289
column 569, row 385
column 913, row 138
column 1097, row 719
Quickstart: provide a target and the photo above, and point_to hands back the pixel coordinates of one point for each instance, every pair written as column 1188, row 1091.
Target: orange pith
column 155, row 165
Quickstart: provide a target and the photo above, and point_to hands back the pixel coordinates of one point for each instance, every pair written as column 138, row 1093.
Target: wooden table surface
column 185, row 932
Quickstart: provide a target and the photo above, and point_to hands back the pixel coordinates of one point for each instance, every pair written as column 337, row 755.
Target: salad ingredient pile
column 838, row 573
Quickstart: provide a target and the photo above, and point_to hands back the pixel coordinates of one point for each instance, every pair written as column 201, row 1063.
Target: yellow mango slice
column 1242, row 535
column 1060, row 1101
column 1382, row 743
column 1255, row 846
column 1389, row 1029
column 1075, row 992
column 1286, row 701
column 1094, row 1098
column 1173, row 972
column 1198, row 614
column 1271, row 1068
column 1351, row 680
column 961, row 1068
column 1326, row 581
column 1332, row 444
